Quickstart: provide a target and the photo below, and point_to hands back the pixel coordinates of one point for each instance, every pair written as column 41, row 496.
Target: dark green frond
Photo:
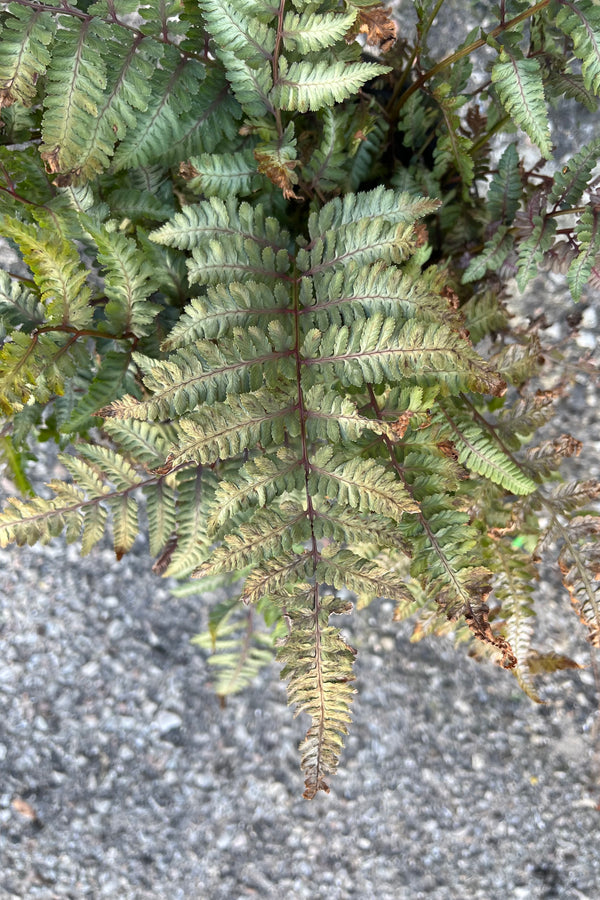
column 581, row 23
column 506, row 188
column 520, row 89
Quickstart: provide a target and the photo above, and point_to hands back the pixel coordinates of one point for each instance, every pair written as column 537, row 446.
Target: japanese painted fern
column 254, row 268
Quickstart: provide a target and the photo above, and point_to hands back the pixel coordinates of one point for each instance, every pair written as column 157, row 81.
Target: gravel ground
column 122, row 777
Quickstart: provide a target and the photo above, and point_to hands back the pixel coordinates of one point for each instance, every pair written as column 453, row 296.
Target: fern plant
column 261, row 291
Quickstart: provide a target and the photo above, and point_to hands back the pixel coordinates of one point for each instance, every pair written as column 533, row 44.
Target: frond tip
column 318, row 666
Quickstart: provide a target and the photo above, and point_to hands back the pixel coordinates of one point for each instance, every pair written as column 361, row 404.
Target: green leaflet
column 240, row 642
column 108, row 381
column 128, row 282
column 303, row 85
column 57, row 271
column 506, row 189
column 188, row 112
column 18, row 304
column 571, row 182
column 24, row 53
column 452, row 148
column 588, row 235
column 309, row 32
column 223, row 174
column 480, row 452
column 77, row 81
column 581, row 22
column 521, row 91
column 492, row 256
column 318, row 683
column 531, row 250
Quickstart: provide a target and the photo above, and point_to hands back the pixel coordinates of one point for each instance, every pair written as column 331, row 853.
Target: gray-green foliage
column 256, row 264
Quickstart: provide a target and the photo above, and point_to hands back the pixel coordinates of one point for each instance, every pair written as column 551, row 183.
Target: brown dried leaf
column 163, row 561
column 187, row 171
column 401, row 424
column 478, row 622
column 52, row 160
column 379, row 27
column 5, row 98
column 421, row 235
column 448, row 449
column 281, row 174
column 538, row 663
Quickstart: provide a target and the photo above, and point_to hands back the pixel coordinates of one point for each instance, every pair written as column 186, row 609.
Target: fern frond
column 128, row 282
column 331, row 416
column 256, row 483
column 346, row 526
column 79, row 509
column 136, row 205
column 430, row 352
column 268, row 533
column 188, row 112
column 236, row 29
column 588, row 235
column 571, row 86
column 18, row 304
column 506, row 189
column 241, row 423
column 365, row 228
column 546, row 458
column 145, row 442
column 309, row 31
column 24, row 54
column 57, row 271
column 239, row 645
column 579, row 562
column 129, row 64
column 325, row 168
column 161, row 513
column 513, row 587
column 360, row 484
column 581, row 22
column 313, row 85
column 37, row 367
column 483, row 315
column 190, row 545
column 532, row 250
column 366, row 578
column 368, row 146
column 570, row 182
column 77, row 80
column 222, row 175
column 520, row 89
column 494, row 253
column 359, row 292
column 229, row 243
column 452, row 147
column 479, row 451
column 524, row 416
column 571, row 495
column 107, row 383
column 317, row 663
column 201, row 374
column 393, row 207
column 227, row 307
column 444, row 545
